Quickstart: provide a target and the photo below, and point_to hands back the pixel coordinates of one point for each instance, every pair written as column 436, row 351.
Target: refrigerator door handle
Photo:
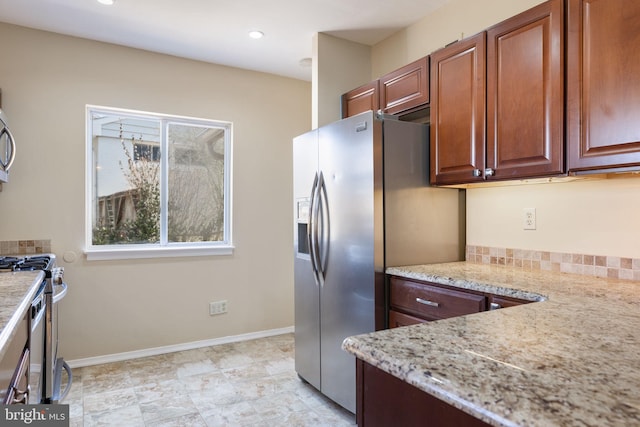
column 312, row 232
column 324, row 231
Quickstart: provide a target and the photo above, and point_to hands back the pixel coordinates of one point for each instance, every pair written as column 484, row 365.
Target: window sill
column 132, row 252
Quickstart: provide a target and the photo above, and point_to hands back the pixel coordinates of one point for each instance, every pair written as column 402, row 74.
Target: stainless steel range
column 46, row 365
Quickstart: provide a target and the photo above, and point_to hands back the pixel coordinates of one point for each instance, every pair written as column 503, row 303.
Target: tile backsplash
column 24, row 247
column 588, row 265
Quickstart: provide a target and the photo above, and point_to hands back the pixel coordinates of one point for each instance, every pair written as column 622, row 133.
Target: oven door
column 36, row 347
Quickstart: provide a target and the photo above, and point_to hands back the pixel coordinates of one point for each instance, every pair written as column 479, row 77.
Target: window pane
column 126, row 192
column 195, row 211
column 157, row 183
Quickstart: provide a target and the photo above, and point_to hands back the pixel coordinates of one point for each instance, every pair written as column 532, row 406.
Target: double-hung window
column 157, row 185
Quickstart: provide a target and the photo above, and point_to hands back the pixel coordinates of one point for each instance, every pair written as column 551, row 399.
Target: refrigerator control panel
column 302, row 211
column 302, row 218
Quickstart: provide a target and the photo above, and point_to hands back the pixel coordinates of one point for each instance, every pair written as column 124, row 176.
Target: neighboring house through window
column 157, row 185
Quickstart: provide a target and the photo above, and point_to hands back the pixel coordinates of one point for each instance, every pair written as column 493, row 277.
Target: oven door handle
column 59, row 295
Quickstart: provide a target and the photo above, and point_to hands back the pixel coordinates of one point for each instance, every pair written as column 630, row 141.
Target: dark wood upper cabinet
column 525, row 94
column 405, row 88
column 401, row 91
column 458, row 111
column 361, row 99
column 603, row 84
column 516, row 69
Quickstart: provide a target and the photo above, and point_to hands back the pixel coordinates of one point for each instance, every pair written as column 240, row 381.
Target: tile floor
column 249, row 383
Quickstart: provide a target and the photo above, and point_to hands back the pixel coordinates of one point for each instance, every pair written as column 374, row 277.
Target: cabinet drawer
column 432, row 302
column 397, row 319
column 504, row 302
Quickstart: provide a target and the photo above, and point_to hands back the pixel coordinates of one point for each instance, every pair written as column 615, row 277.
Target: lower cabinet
column 414, row 301
column 14, row 366
column 384, row 400
column 432, row 302
column 397, row 319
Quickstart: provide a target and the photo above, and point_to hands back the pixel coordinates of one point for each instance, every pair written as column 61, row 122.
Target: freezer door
column 307, row 291
column 347, row 155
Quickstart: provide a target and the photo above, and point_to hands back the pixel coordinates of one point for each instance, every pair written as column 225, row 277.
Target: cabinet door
column 525, row 94
column 385, row 400
column 458, row 112
column 603, row 84
column 361, row 99
column 406, row 88
column 397, row 319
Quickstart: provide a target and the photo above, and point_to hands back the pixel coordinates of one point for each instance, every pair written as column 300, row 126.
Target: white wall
column 119, row 306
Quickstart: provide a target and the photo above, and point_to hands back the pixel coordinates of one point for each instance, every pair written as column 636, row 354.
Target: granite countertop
column 570, row 359
column 17, row 289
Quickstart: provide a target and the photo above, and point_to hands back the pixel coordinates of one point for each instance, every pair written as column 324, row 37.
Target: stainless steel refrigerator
column 361, row 203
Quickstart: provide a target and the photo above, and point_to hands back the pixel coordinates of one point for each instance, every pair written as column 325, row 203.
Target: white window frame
column 164, row 248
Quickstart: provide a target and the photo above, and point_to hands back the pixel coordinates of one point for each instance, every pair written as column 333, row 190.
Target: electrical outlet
column 529, row 218
column 217, row 307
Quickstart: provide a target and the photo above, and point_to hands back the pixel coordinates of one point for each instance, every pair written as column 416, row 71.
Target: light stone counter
column 16, row 292
column 572, row 359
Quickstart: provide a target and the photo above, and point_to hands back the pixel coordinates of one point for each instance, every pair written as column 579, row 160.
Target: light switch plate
column 217, row 307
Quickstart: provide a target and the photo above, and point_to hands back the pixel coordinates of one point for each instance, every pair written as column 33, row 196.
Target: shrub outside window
column 157, row 185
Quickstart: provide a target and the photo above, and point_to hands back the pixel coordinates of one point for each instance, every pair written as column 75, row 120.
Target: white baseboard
column 118, row 357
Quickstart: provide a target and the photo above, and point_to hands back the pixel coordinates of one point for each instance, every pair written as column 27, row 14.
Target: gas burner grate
column 28, row 263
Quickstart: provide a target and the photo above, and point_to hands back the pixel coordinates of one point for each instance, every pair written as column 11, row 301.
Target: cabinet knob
column 488, row 172
column 477, row 172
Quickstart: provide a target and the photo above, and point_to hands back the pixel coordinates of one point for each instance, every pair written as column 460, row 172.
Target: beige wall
column 338, row 66
column 595, row 217
column 119, row 306
column 591, row 217
column 454, row 20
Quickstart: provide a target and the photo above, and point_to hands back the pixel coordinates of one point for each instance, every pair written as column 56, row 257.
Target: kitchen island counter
column 17, row 289
column 572, row 358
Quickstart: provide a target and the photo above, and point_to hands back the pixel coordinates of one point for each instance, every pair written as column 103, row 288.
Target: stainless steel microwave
column 7, row 148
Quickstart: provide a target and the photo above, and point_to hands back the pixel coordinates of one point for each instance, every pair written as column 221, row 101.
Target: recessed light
column 255, row 34
column 107, row 2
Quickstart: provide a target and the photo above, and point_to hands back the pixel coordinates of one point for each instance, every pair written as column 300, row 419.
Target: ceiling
column 217, row 30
